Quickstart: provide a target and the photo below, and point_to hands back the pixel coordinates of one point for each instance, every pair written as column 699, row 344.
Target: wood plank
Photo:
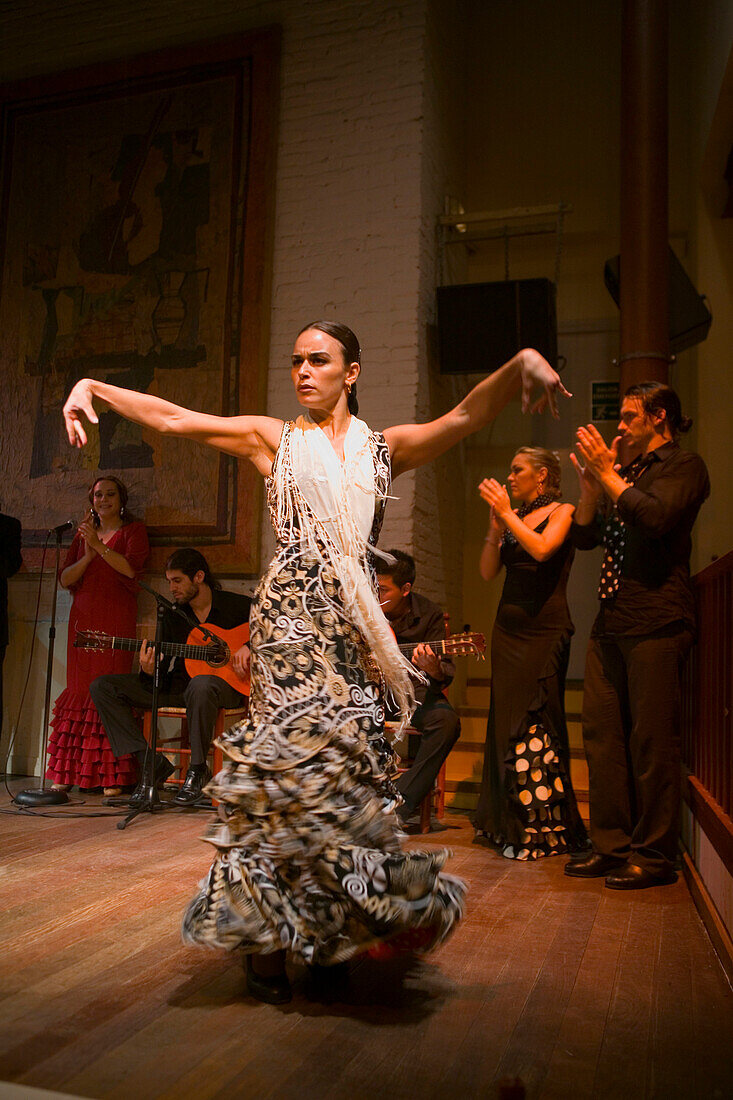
column 581, row 991
column 629, row 1022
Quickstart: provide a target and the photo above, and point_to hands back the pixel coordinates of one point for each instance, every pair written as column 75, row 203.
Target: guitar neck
column 438, row 646
column 170, row 649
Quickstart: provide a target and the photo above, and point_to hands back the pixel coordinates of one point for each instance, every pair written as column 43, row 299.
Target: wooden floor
column 578, row 990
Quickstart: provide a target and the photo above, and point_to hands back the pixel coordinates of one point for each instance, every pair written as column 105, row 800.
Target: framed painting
column 136, row 217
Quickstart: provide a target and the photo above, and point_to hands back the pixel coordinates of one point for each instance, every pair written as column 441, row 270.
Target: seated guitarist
column 415, row 619
column 199, row 595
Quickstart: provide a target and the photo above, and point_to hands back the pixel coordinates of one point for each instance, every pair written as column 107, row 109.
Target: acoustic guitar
column 202, row 656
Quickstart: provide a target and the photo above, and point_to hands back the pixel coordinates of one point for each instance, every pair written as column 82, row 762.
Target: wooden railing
column 707, row 691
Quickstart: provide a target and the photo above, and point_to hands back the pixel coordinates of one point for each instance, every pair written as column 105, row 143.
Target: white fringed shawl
column 336, row 526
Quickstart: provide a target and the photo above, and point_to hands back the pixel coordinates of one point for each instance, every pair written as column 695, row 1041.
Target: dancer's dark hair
column 657, row 397
column 350, row 344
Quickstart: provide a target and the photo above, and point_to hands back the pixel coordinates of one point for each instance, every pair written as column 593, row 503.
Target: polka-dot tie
column 614, row 537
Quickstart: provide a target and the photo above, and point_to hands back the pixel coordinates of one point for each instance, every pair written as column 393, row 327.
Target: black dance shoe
column 273, row 989
column 163, row 768
column 632, row 877
column 197, row 776
column 326, row 983
column 593, row 866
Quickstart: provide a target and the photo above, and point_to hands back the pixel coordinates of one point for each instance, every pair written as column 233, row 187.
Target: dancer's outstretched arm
column 252, row 437
column 413, row 445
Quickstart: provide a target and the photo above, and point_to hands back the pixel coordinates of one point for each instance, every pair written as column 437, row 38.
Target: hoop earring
column 348, row 387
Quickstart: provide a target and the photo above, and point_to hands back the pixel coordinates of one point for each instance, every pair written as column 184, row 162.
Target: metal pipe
column 644, row 270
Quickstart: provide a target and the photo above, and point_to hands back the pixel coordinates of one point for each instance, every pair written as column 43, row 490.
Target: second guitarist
column 195, row 591
column 415, row 619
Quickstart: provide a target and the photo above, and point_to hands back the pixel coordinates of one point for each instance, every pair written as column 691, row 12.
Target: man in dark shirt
column 200, row 597
column 415, row 619
column 10, row 562
column 643, row 514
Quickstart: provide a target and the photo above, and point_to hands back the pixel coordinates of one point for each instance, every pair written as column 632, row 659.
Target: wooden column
column 644, row 297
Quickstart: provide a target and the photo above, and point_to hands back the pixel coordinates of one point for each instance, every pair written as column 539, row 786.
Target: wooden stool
column 224, row 719
column 434, row 799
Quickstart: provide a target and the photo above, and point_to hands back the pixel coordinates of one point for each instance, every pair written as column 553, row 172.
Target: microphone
column 62, row 527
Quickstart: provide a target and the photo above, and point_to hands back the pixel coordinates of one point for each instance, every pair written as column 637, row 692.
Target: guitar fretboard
column 438, row 645
column 170, row 649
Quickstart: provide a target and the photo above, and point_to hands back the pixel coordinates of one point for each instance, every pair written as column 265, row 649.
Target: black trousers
column 631, row 734
column 440, row 728
column 116, row 695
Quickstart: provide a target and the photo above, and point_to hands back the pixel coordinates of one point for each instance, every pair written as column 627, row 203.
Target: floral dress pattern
column 307, row 846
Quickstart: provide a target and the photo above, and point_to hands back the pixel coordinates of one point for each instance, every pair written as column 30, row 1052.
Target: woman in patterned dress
column 308, row 859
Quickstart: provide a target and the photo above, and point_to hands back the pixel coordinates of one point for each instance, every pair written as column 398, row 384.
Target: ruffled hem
column 79, row 753
column 308, row 859
column 357, row 901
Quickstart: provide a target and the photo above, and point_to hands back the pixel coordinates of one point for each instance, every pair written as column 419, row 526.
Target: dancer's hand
column 496, row 495
column 78, row 404
column 536, row 371
column 424, row 659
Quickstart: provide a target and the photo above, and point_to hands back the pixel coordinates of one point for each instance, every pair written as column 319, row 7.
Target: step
column 478, row 694
column 464, row 767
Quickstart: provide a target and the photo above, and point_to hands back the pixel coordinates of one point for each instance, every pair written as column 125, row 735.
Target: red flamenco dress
column 79, row 752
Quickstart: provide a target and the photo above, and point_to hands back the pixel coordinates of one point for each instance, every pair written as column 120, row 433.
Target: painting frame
column 248, row 64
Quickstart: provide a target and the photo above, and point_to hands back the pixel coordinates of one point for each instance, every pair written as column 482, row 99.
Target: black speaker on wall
column 482, row 325
column 689, row 316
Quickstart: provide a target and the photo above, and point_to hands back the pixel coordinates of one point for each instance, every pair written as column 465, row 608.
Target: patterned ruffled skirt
column 307, row 850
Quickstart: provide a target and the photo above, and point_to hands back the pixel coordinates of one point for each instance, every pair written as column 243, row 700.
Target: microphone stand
column 150, row 801
column 40, row 796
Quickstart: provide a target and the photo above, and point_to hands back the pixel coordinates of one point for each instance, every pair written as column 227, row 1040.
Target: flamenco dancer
column 307, row 843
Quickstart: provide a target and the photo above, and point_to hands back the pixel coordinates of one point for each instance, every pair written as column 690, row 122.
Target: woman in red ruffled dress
column 108, row 552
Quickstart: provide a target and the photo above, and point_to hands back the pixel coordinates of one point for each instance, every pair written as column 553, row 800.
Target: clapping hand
column 88, row 532
column 496, row 495
column 598, row 459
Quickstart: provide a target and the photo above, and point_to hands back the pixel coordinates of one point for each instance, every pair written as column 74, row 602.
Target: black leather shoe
column 163, row 768
column 196, row 779
column 632, row 877
column 273, row 989
column 593, row 866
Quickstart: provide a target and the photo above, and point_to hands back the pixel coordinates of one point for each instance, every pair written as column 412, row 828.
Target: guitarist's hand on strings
column 424, row 659
column 240, row 662
column 147, row 658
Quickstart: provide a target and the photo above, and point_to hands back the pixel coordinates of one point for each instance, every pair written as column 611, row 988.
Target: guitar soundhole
column 218, row 656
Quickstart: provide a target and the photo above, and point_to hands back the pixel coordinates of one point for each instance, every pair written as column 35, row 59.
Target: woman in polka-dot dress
column 527, row 804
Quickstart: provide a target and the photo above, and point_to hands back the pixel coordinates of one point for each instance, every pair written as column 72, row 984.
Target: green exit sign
column 604, row 402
